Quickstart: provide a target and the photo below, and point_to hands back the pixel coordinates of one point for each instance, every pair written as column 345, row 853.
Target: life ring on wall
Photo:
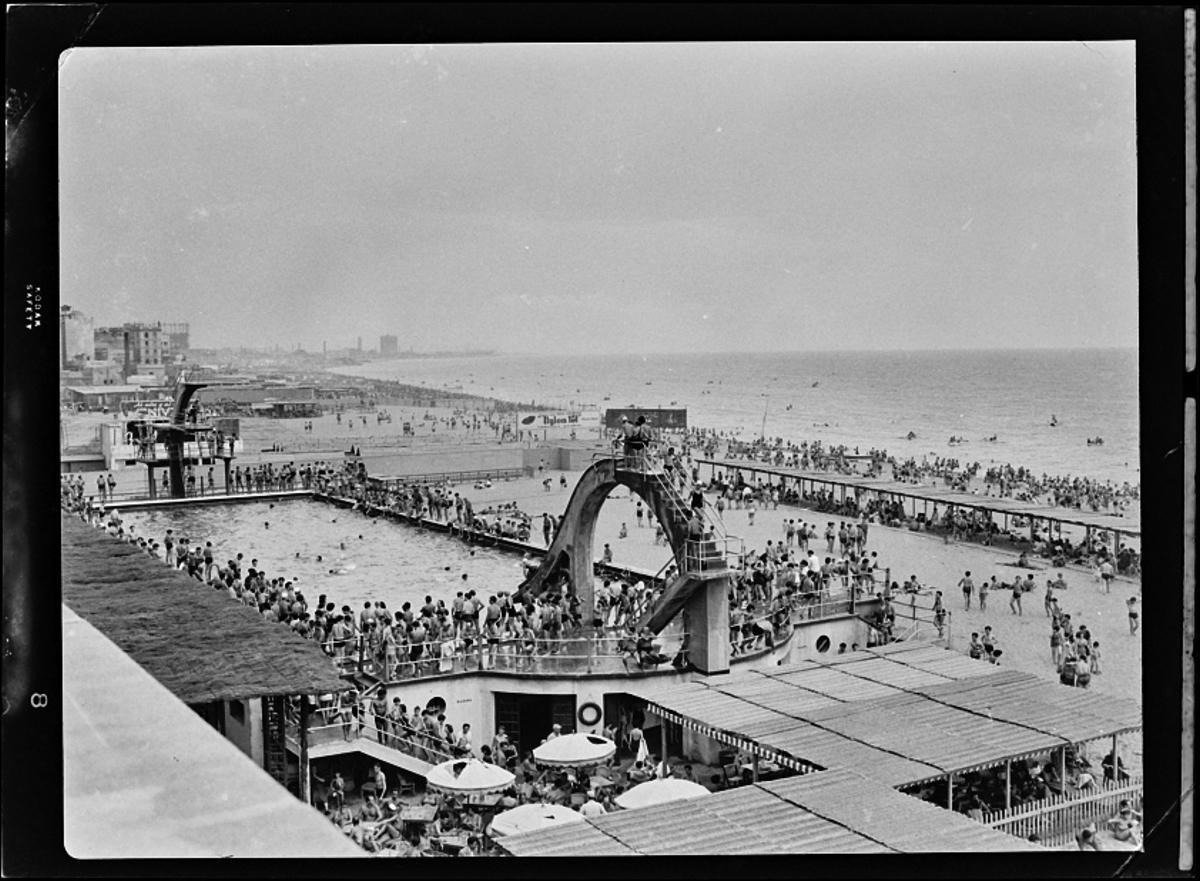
column 590, row 714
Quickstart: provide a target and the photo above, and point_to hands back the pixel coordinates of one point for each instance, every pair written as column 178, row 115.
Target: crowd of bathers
column 1002, row 481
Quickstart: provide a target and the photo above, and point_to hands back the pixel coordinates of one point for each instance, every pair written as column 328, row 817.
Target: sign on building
column 674, row 420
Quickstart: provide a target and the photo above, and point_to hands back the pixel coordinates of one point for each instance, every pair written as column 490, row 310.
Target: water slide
column 571, row 551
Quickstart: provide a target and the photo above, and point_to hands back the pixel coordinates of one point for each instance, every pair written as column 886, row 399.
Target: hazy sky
column 607, row 198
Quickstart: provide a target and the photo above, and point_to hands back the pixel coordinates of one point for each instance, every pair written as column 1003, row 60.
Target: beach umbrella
column 526, row 818
column 654, row 792
column 574, row 750
column 468, row 777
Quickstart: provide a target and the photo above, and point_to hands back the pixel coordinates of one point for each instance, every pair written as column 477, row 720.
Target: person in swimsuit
column 1133, row 615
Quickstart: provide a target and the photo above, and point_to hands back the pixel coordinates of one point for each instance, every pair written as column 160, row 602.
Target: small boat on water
column 1053, row 421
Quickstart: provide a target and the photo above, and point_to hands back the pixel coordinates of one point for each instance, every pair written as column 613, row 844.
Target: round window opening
column 823, row 644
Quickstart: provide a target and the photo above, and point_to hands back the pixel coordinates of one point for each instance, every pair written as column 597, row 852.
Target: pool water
column 362, row 558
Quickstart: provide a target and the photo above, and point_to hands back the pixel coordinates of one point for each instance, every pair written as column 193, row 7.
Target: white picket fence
column 1056, row 819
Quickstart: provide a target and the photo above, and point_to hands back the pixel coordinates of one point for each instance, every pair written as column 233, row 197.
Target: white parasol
column 526, row 818
column 654, row 792
column 469, row 777
column 575, row 750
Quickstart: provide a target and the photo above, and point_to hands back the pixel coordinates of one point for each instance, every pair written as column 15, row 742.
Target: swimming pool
column 361, row 558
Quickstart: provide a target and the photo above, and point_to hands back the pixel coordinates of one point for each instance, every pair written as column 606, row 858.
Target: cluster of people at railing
column 268, row 476
column 1033, row 779
column 73, row 493
column 955, row 522
column 433, row 501
column 805, row 456
column 1005, row 481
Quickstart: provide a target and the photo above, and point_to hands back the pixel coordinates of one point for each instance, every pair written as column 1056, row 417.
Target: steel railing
column 598, row 652
column 419, row 745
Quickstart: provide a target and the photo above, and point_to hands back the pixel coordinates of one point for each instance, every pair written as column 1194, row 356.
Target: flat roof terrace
column 900, row 714
column 831, row 812
column 939, row 495
column 158, row 781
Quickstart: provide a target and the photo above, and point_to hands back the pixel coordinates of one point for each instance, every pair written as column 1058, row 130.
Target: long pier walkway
column 927, row 495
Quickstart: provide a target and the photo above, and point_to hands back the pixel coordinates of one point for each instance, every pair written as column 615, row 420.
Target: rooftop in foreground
column 121, row 591
column 821, row 813
column 160, row 782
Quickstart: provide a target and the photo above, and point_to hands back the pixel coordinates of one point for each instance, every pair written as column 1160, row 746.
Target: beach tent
column 527, row 818
column 468, row 777
column 575, row 750
column 654, row 792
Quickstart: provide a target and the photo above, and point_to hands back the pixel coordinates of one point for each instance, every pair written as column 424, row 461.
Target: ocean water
column 864, row 399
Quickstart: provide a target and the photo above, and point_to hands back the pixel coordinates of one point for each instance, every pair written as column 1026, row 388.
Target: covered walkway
column 926, row 495
column 900, row 715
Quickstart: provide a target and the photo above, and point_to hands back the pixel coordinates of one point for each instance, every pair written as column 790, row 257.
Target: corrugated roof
column 568, row 840
column 898, row 821
column 899, row 713
column 135, row 601
column 890, row 673
column 680, row 828
column 831, row 750
column 823, row 812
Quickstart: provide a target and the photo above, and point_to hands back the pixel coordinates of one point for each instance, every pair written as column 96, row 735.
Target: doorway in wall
column 528, row 718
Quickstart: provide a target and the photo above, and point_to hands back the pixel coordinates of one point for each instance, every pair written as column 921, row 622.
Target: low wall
column 416, row 462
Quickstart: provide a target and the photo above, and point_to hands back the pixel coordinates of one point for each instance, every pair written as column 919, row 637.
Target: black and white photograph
column 608, row 448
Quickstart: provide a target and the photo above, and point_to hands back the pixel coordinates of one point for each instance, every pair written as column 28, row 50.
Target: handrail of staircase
column 714, row 518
